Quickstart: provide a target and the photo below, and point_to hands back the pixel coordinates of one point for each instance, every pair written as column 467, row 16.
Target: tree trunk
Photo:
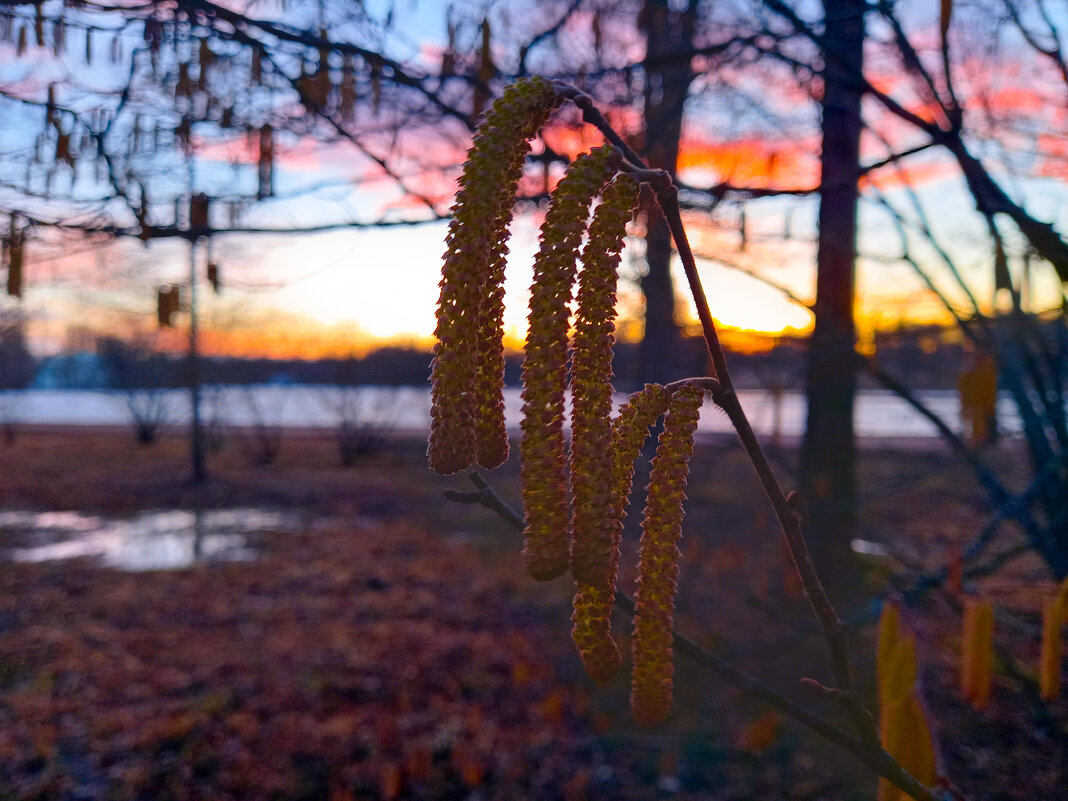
column 829, row 451
column 666, row 87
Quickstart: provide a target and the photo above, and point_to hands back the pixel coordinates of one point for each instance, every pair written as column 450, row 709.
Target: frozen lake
column 878, row 413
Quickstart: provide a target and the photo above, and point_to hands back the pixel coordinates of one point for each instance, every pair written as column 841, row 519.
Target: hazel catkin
column 543, row 471
column 591, row 631
column 896, row 681
column 658, row 560
column 591, row 387
column 904, row 730
column 889, row 634
column 467, row 408
column 1054, row 614
column 595, row 525
column 977, row 662
column 629, row 432
column 1049, row 671
column 907, row 738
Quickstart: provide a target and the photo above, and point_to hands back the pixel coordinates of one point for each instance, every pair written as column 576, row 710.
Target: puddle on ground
column 869, row 548
column 162, row 539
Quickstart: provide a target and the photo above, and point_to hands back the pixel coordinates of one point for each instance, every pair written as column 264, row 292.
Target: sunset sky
column 346, row 290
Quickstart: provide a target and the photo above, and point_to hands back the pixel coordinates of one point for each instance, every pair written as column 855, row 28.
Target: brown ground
column 393, row 648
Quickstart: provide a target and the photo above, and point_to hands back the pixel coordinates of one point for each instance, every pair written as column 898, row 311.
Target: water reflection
column 869, row 548
column 155, row 540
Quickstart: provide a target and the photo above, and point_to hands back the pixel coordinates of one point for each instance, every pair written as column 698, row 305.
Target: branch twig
column 872, row 756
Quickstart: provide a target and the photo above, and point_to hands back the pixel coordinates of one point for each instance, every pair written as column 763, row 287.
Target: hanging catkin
column 889, row 633
column 1049, row 671
column 15, row 252
column 491, row 437
column 658, row 561
column 977, row 657
column 1061, row 600
column 543, row 472
column 591, row 385
column 907, row 738
column 591, row 632
column 468, row 368
column 904, row 730
column 594, row 546
column 348, row 88
column 486, row 71
column 265, row 164
column 897, row 680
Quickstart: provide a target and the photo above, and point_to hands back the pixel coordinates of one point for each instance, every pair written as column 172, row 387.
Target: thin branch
column 989, row 196
column 950, row 111
column 174, row 232
column 785, row 291
column 392, row 70
column 874, row 757
column 1053, row 52
column 785, row 507
column 547, row 33
column 723, row 188
column 1010, row 508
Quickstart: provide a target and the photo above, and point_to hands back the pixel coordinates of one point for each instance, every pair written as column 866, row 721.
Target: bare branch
column 875, row 758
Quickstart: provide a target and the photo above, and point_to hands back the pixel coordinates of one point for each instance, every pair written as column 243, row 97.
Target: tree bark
column 829, row 450
column 666, row 87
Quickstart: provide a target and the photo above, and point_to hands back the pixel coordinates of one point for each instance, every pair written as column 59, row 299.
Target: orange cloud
column 1054, row 156
column 913, row 175
column 753, row 162
column 571, row 140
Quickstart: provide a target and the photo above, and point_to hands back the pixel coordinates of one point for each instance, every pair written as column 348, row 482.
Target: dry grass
column 393, row 647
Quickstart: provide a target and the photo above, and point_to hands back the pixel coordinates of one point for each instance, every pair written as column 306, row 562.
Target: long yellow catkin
column 900, row 676
column 1061, row 601
column 544, row 467
column 891, row 722
column 967, row 649
column 908, row 739
column 467, row 417
column 889, row 633
column 591, row 386
column 977, row 662
column 658, row 561
column 591, row 632
column 904, row 730
column 594, row 545
column 1049, row 673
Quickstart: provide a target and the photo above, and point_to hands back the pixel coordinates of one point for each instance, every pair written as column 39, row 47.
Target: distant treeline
column 923, row 358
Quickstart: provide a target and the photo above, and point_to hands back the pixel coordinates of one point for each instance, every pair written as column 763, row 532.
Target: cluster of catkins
column 977, row 648
column 574, row 498
column 904, row 730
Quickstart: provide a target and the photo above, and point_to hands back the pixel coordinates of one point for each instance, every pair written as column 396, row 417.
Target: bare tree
column 145, row 380
column 16, row 371
column 259, row 432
